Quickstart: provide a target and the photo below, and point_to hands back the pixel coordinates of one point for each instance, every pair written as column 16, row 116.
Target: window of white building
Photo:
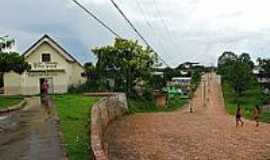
column 45, row 57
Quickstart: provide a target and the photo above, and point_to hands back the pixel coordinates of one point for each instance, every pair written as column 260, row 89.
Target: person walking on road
column 238, row 116
column 256, row 114
column 190, row 107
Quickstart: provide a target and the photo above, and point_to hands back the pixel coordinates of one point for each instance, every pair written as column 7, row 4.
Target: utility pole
column 203, row 90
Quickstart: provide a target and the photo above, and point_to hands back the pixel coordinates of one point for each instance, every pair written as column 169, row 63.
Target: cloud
column 199, row 30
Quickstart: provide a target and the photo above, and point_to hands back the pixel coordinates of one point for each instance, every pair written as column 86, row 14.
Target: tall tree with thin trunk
column 126, row 62
column 236, row 71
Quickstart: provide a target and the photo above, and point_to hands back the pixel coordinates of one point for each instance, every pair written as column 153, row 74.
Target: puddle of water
column 3, row 117
column 31, row 132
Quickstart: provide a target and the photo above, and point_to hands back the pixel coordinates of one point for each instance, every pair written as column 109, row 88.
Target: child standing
column 238, row 116
column 257, row 112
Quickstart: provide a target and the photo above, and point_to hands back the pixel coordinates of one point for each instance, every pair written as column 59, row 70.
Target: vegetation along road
column 208, row 133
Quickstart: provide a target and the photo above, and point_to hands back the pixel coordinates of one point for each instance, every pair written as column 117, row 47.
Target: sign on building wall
column 42, row 74
column 42, row 65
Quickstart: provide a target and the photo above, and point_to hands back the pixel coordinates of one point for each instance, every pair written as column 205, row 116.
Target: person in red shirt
column 44, row 92
column 45, row 88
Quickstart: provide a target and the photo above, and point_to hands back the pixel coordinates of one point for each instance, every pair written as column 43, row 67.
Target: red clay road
column 208, row 133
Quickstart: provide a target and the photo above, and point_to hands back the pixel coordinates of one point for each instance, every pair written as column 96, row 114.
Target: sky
column 179, row 30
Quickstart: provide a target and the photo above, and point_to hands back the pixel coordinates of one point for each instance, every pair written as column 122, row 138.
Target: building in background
column 49, row 61
column 179, row 86
column 182, row 81
column 263, row 78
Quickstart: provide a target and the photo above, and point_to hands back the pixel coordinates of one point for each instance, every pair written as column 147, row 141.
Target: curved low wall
column 14, row 108
column 102, row 113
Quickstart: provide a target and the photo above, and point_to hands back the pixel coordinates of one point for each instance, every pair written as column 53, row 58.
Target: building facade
column 263, row 78
column 182, row 81
column 49, row 61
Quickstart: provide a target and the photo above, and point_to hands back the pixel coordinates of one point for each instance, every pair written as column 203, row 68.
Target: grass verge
column 249, row 99
column 8, row 101
column 142, row 105
column 73, row 111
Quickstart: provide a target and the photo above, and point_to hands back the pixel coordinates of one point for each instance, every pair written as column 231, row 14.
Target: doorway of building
column 1, row 83
column 50, row 83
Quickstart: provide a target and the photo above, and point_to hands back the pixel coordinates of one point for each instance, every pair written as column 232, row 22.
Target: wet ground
column 30, row 134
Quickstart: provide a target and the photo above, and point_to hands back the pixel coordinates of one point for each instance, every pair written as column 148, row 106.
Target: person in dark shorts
column 257, row 112
column 238, row 116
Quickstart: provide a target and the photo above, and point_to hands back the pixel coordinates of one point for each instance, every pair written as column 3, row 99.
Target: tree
column 245, row 58
column 126, row 62
column 240, row 77
column 169, row 73
column 90, row 71
column 12, row 62
column 196, row 77
column 225, row 61
column 264, row 64
column 225, row 57
column 6, row 43
column 236, row 70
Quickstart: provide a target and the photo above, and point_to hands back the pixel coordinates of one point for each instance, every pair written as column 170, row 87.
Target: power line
column 96, row 18
column 136, row 31
column 163, row 21
column 143, row 13
column 114, row 32
column 129, row 22
column 146, row 18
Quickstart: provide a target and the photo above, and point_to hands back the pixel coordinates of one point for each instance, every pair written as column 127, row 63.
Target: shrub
column 90, row 86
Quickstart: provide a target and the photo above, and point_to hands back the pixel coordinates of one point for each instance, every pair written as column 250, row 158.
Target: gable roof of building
column 54, row 45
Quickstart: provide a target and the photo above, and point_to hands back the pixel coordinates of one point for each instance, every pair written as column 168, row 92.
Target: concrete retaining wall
column 102, row 114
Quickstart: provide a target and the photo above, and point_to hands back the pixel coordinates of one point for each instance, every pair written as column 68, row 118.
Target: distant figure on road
column 257, row 112
column 238, row 116
column 190, row 108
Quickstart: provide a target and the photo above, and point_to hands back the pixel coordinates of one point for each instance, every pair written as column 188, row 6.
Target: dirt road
column 208, row 133
column 30, row 134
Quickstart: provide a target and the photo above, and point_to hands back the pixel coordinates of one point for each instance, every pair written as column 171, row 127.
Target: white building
column 182, row 81
column 48, row 61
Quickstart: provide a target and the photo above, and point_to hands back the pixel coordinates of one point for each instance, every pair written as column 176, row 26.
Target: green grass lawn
column 247, row 101
column 74, row 113
column 7, row 101
column 141, row 105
